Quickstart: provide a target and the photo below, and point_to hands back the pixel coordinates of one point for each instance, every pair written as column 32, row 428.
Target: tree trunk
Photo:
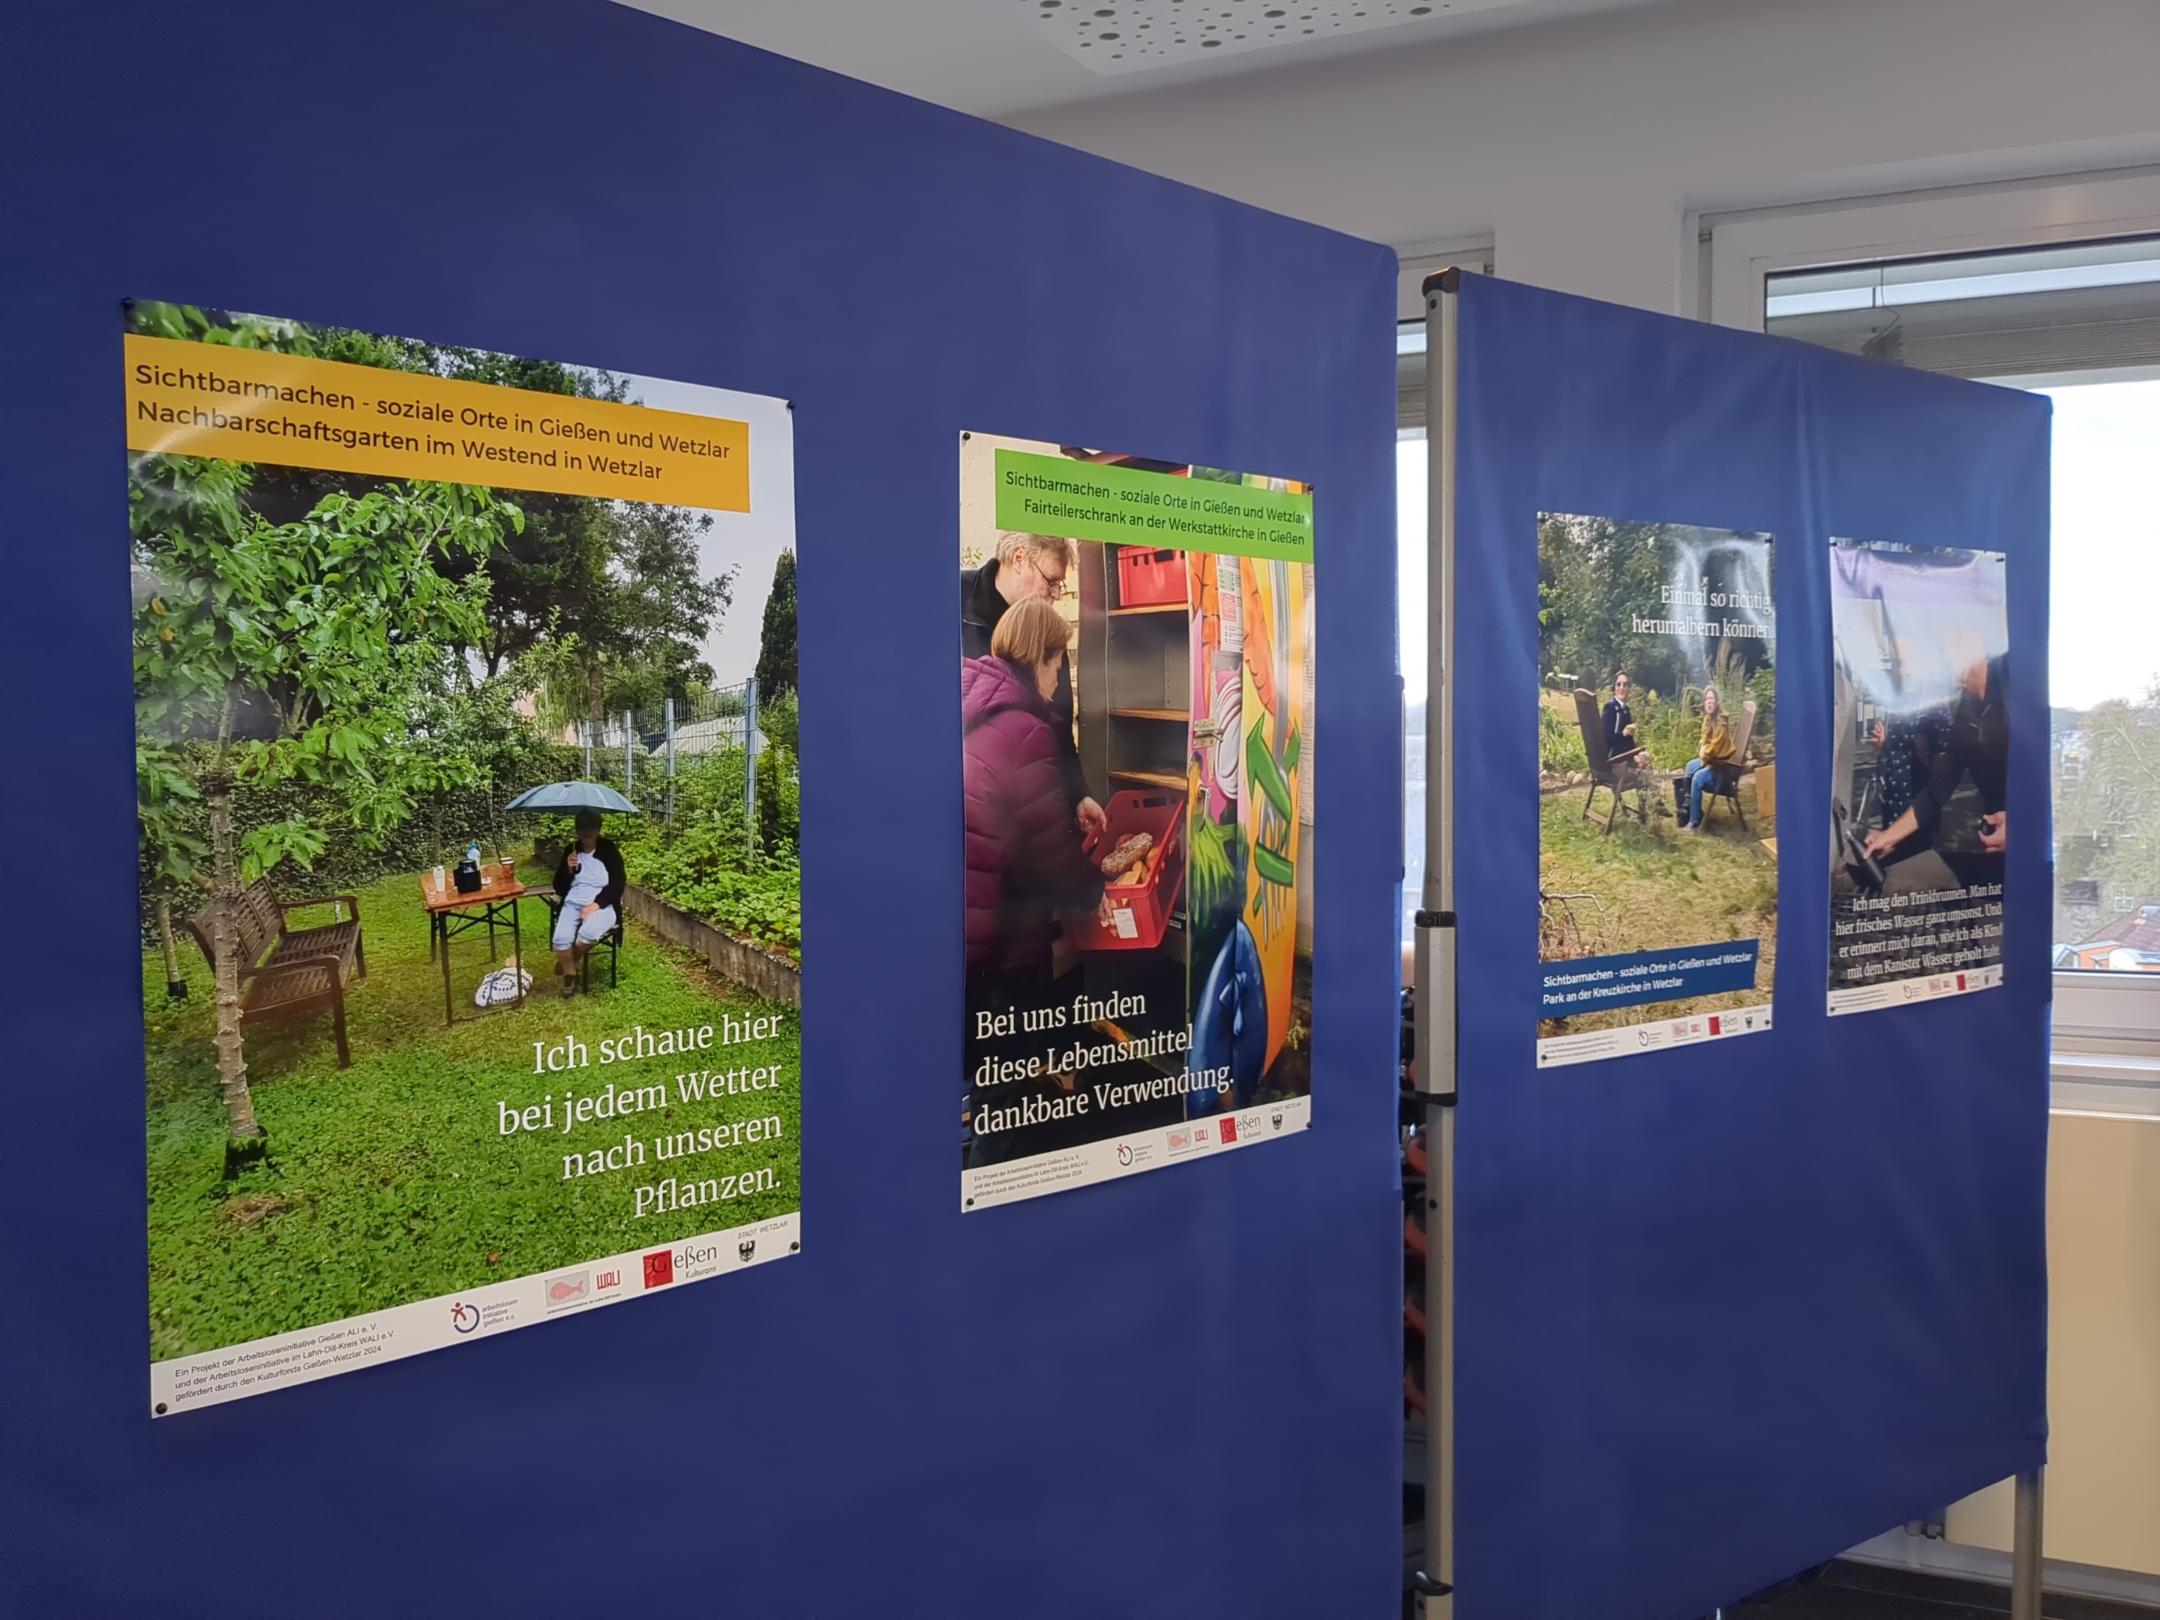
column 244, row 1135
column 175, row 985
column 595, row 714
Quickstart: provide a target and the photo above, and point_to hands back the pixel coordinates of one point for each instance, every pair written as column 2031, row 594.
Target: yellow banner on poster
column 202, row 399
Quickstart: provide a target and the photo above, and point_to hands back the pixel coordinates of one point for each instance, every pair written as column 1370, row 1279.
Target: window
column 2054, row 288
column 1410, row 544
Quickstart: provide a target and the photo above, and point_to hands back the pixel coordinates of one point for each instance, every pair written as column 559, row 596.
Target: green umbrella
column 573, row 796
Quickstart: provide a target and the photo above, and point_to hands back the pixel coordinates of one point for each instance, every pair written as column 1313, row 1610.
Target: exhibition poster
column 1918, row 824
column 1136, row 700
column 470, row 905
column 1657, row 795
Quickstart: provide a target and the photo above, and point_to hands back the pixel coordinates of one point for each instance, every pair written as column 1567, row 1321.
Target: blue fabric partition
column 1728, row 1309
column 1176, row 1395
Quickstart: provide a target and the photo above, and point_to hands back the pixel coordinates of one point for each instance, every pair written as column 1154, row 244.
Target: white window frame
column 1746, row 249
column 2106, row 1026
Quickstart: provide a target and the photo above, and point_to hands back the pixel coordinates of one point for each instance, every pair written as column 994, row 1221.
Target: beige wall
column 2103, row 1479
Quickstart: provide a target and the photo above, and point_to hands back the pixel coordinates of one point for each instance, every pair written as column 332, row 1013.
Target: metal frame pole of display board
column 2025, row 1548
column 1433, row 972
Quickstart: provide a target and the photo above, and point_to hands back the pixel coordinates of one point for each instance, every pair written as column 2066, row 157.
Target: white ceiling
column 997, row 58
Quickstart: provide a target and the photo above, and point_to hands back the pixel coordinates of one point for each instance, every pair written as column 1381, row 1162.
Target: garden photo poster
column 1657, row 800
column 470, row 897
column 1136, row 710
column 1919, row 764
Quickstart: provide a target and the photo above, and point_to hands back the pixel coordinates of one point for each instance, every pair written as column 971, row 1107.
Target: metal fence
column 645, row 743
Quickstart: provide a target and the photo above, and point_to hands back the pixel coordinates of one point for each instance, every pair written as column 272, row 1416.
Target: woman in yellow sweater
column 1714, row 756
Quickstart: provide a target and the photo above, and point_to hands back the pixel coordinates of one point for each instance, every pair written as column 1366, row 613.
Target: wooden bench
column 288, row 972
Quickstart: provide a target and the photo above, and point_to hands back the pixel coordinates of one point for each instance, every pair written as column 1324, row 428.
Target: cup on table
column 509, row 866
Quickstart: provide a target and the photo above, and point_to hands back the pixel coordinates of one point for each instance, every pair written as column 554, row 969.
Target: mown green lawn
column 391, row 1181
column 1659, row 888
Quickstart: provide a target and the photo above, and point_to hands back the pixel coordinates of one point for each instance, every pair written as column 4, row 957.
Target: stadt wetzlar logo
column 746, row 1249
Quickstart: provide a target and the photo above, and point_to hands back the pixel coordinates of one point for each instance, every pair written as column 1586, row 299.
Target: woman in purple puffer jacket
column 1025, row 865
column 1024, row 862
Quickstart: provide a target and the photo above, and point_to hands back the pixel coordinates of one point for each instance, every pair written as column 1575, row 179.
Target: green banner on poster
column 1126, row 506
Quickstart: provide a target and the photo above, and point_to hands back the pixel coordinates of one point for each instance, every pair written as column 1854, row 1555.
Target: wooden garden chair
column 1727, row 785
column 1618, row 774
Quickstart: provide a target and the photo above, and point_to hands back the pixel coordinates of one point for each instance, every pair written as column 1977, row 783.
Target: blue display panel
column 1174, row 1396
column 1726, row 1309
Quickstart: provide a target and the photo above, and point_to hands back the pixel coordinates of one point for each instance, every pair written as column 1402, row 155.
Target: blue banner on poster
column 1592, row 983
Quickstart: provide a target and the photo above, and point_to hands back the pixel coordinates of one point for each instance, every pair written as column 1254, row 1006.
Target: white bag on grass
column 502, row 985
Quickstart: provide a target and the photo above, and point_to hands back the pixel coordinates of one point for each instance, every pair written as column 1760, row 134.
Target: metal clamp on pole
column 1433, row 963
column 1434, row 943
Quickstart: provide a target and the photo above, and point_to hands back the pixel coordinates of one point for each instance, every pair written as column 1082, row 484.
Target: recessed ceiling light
column 1220, row 28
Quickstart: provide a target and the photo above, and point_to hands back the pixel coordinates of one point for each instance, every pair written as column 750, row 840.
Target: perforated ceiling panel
column 1128, row 36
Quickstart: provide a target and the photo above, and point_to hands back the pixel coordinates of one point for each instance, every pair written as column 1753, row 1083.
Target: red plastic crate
column 1141, row 910
column 1147, row 577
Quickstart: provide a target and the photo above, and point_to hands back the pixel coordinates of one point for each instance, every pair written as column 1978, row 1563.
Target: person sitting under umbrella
column 590, row 879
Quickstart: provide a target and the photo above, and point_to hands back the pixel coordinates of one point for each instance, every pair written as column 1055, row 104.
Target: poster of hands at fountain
column 1657, row 765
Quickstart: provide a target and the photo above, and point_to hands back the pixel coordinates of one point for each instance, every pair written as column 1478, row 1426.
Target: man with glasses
column 1029, row 565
